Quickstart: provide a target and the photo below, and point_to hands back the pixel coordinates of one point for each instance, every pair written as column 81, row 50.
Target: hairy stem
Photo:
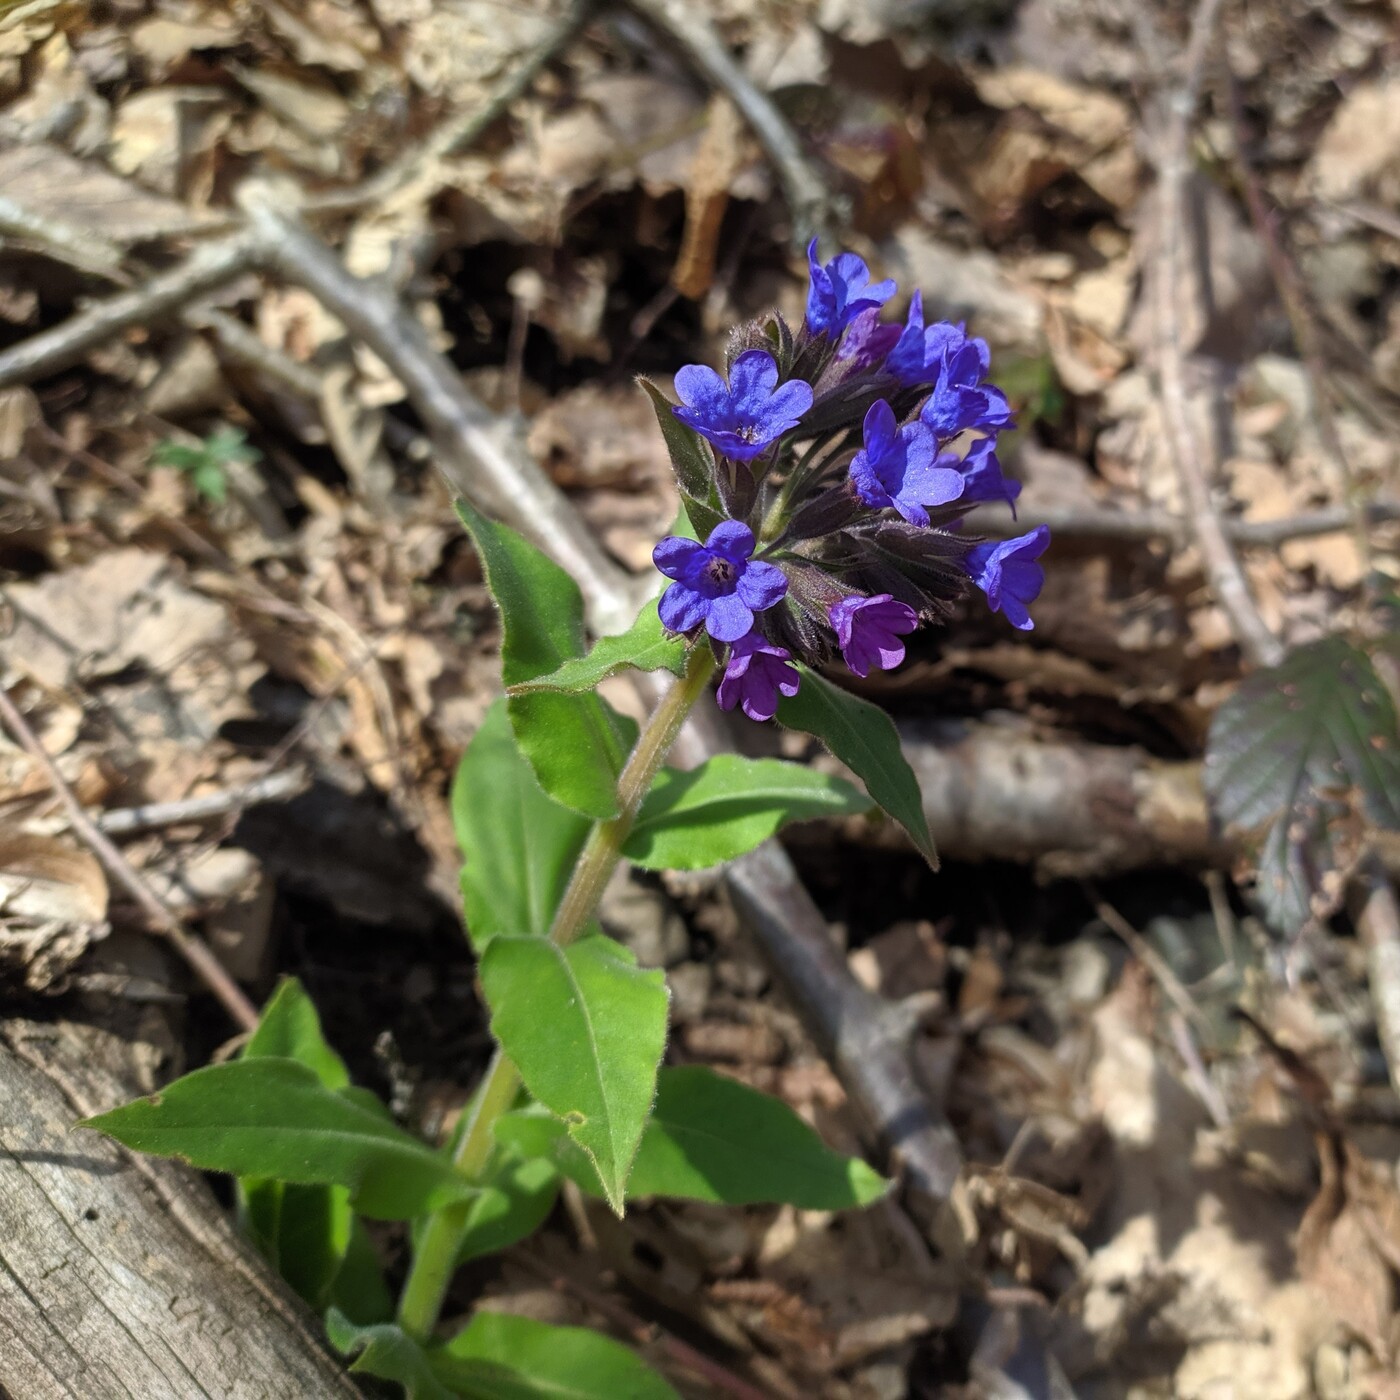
column 435, row 1260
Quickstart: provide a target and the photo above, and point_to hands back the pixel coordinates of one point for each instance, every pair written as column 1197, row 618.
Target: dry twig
column 155, row 816
column 205, row 966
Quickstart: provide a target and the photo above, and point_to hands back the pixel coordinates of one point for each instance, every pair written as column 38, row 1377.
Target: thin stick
column 206, row 268
column 1192, row 457
column 1144, row 526
column 460, row 130
column 205, row 966
column 809, row 201
column 155, row 816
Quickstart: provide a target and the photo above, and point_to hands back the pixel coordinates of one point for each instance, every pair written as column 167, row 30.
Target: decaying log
column 1001, row 791
column 121, row 1276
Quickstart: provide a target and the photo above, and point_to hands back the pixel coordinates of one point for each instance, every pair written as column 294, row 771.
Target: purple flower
column 1006, row 571
column 918, row 354
column 866, row 342
column 899, row 467
column 716, row 582
column 757, row 672
column 840, row 291
column 982, row 478
column 744, row 416
column 869, row 630
column 960, row 400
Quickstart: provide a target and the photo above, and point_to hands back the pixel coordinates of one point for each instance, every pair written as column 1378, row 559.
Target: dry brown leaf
column 1359, row 152
column 45, row 879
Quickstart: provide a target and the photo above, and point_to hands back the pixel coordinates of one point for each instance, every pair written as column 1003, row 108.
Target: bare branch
column 809, row 201
column 153, row 816
column 206, row 268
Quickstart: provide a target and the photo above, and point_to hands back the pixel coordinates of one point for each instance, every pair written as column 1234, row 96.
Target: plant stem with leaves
column 436, row 1256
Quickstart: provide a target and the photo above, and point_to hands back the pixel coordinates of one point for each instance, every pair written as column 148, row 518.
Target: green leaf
column 713, row 1139
column 1303, row 759
column 576, row 744
column 586, row 1028
column 513, row 1203
column 864, row 738
column 290, row 1029
column 273, row 1118
column 691, row 457
column 645, row 646
column 519, row 846
column 359, row 1290
column 500, row 1357
column 388, row 1353
column 727, row 806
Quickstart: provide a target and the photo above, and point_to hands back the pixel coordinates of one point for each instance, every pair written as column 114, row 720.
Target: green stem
column 435, row 1259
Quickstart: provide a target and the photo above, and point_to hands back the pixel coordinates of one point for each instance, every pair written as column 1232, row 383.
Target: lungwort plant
column 824, row 480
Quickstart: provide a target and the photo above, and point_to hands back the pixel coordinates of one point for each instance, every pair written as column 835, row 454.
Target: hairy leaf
column 691, row 457
column 388, row 1353
column 864, row 738
column 586, row 1028
column 359, row 1290
column 290, row 1029
column 727, row 806
column 511, row 1204
column 500, row 1357
column 576, row 744
column 645, row 646
column 1303, row 758
column 274, row 1118
column 518, row 846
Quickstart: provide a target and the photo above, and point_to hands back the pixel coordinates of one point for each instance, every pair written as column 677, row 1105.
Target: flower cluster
column 841, row 459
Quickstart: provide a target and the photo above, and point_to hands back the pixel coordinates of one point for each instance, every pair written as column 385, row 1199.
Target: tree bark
column 121, row 1275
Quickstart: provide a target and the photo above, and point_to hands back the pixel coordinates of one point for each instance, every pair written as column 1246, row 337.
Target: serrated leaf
column 586, row 1029
column 864, row 738
column 1304, row 757
column 727, row 806
column 518, row 846
column 387, row 1352
column 274, row 1118
column 500, row 1357
column 713, row 1139
column 645, row 646
column 576, row 744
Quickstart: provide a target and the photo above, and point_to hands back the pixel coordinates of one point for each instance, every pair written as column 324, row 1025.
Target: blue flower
column 960, row 400
column 716, row 582
column 742, row 418
column 840, row 291
column 899, row 467
column 982, row 478
column 866, row 342
column 756, row 674
column 1006, row 571
column 869, row 629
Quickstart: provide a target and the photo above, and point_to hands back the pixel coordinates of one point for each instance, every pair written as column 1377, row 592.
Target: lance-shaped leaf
column 290, row 1029
column 512, row 1203
column 727, row 806
column 388, row 1353
column 645, row 646
column 1304, row 758
column 586, row 1028
column 713, row 1139
column 864, row 738
column 500, row 1357
column 576, row 744
column 518, row 846
column 691, row 456
column 274, row 1118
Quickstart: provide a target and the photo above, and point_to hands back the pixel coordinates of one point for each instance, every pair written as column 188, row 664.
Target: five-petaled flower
column 744, row 417
column 900, row 467
column 840, row 291
column 1006, row 571
column 917, row 356
column 716, row 583
column 756, row 674
column 869, row 630
column 960, row 400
